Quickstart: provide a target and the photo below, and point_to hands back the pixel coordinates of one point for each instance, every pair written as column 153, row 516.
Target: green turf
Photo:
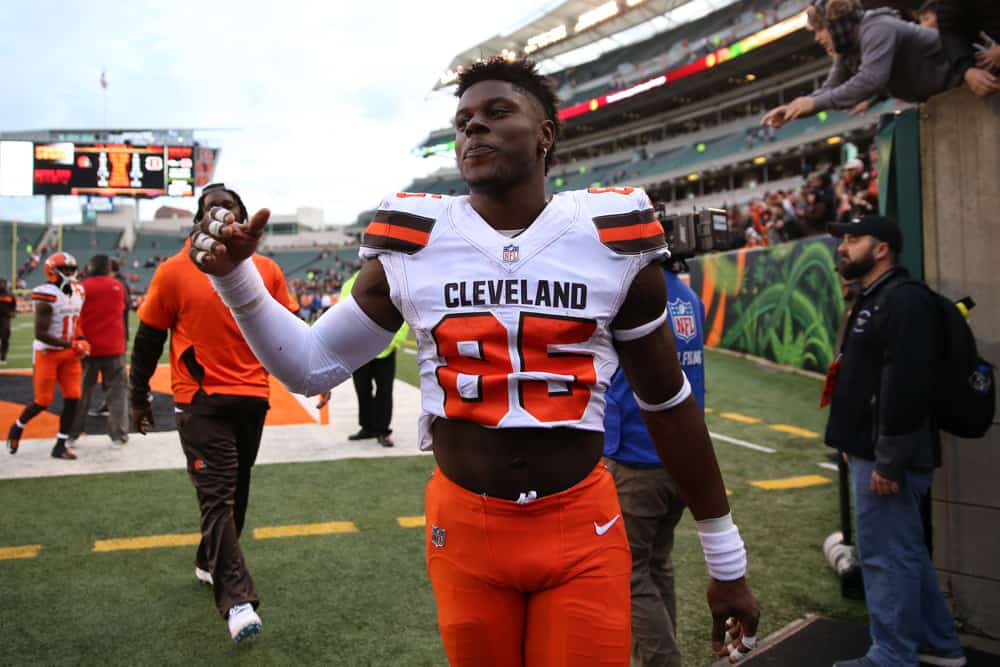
column 363, row 598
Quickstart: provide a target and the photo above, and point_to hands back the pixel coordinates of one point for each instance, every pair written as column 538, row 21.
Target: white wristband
column 242, row 289
column 671, row 402
column 725, row 554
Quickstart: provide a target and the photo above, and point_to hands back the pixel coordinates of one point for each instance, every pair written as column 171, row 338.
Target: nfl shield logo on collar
column 510, row 253
column 438, row 535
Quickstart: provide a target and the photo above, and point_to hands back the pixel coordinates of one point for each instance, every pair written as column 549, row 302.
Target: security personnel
column 880, row 417
column 650, row 501
column 375, row 410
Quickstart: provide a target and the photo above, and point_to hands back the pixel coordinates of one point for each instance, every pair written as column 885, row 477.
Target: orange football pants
column 53, row 366
column 544, row 584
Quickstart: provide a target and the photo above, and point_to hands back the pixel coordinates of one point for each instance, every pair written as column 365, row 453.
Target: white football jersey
column 65, row 311
column 514, row 332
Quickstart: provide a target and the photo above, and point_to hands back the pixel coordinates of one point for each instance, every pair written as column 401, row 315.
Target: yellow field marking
column 729, row 492
column 411, row 521
column 737, row 417
column 26, row 551
column 147, row 542
column 709, row 411
column 794, row 430
column 791, row 482
column 304, row 529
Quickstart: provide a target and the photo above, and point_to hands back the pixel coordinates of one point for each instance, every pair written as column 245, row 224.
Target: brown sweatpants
column 220, row 436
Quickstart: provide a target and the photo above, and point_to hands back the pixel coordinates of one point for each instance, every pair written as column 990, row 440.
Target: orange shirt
column 207, row 349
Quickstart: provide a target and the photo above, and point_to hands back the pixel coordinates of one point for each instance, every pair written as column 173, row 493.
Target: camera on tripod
column 700, row 231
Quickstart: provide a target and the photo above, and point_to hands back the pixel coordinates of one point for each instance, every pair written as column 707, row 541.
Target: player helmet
column 60, row 268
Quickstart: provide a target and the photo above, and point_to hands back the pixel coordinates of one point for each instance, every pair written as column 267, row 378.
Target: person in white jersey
column 522, row 308
column 56, row 351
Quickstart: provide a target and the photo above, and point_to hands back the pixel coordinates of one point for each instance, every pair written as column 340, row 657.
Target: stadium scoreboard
column 103, row 169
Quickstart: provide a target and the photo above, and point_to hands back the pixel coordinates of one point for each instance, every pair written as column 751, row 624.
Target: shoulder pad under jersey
column 625, row 219
column 45, row 292
column 402, row 223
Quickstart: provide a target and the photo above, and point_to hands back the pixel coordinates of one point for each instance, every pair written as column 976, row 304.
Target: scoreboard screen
column 111, row 170
column 53, row 168
column 180, row 171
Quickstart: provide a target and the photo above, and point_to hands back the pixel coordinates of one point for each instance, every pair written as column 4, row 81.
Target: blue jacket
column 625, row 436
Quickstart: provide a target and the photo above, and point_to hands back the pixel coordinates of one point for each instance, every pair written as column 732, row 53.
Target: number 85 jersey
column 514, row 332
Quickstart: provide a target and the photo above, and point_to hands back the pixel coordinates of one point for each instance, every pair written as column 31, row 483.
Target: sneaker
column 99, row 412
column 361, row 435
column 941, row 661
column 120, row 443
column 14, row 438
column 244, row 623
column 204, row 576
column 61, row 451
column 386, row 441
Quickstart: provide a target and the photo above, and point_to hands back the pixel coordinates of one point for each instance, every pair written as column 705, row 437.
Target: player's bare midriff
column 504, row 463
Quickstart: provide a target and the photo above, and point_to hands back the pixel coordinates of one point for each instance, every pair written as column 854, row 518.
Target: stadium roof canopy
column 570, row 25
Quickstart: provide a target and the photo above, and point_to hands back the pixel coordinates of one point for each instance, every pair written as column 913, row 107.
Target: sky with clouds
column 313, row 103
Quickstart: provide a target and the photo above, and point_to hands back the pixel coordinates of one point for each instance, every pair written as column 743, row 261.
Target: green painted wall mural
column 782, row 303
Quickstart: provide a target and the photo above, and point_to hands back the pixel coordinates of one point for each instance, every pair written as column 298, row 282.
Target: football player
column 57, row 350
column 523, row 307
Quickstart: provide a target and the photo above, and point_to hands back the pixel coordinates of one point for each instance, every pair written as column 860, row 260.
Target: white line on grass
column 828, row 466
column 742, row 443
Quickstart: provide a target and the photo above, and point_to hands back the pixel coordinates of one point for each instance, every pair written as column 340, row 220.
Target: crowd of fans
column 826, row 196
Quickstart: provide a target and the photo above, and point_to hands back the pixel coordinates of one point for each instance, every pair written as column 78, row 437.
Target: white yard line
column 742, row 443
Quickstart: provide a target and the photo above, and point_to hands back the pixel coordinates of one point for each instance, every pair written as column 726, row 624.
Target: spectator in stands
column 970, row 31
column 926, row 14
column 102, row 324
column 875, row 52
column 8, row 310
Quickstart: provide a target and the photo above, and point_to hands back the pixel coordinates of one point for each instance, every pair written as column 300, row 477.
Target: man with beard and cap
column 881, row 420
column 874, row 53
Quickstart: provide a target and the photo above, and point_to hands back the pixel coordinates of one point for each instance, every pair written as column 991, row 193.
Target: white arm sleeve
column 307, row 359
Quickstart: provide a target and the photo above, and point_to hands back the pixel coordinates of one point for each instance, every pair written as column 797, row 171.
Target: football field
column 98, row 569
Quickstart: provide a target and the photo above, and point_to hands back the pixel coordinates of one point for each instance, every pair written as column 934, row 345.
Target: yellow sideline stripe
column 791, row 482
column 737, row 417
column 794, row 430
column 298, row 530
column 411, row 521
column 147, row 542
column 26, row 551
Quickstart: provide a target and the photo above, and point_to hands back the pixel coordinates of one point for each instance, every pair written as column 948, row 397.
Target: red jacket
column 102, row 319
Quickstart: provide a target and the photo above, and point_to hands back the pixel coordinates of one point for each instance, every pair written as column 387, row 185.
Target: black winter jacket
column 881, row 408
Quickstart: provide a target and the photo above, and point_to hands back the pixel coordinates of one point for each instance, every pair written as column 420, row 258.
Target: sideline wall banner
column 782, row 303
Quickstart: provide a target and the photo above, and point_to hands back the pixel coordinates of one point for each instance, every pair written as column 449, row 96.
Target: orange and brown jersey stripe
column 630, row 233
column 399, row 231
column 37, row 296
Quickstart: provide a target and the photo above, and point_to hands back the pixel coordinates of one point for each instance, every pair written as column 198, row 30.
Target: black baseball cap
column 878, row 226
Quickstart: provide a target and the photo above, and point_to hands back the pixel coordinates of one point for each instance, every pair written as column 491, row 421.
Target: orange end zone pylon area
column 285, row 408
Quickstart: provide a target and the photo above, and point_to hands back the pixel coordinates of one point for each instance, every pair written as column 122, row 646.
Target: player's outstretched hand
column 219, row 242
column 735, row 615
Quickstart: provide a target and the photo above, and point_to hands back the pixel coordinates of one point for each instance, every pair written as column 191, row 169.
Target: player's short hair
column 212, row 187
column 523, row 75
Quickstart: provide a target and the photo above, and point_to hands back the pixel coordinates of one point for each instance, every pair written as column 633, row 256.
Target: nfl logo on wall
column 437, row 536
column 682, row 314
column 510, row 253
